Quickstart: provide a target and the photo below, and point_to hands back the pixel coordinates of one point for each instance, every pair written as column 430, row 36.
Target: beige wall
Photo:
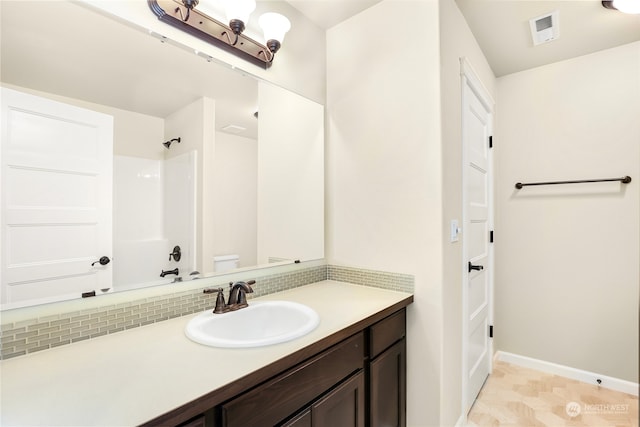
column 135, row 134
column 567, row 256
column 456, row 41
column 290, row 176
column 235, row 178
column 384, row 171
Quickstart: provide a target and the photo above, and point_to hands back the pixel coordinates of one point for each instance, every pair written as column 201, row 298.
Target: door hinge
column 491, row 236
column 491, row 141
column 490, row 331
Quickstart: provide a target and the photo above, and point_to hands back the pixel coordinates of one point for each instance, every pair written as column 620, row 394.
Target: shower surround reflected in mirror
column 178, row 177
column 154, row 206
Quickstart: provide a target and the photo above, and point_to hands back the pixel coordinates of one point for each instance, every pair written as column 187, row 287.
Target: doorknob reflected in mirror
column 475, row 267
column 102, row 261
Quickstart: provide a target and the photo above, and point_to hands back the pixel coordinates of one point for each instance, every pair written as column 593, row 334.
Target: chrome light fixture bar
column 184, row 15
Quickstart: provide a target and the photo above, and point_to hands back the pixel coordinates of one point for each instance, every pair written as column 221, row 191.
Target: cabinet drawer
column 386, row 332
column 287, row 393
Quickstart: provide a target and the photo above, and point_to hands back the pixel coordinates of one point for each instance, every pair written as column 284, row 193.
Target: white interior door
column 56, row 206
column 477, row 179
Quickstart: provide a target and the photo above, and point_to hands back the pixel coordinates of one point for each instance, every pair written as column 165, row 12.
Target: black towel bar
column 624, row 180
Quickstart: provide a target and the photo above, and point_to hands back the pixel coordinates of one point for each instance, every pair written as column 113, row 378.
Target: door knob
column 102, row 261
column 475, row 267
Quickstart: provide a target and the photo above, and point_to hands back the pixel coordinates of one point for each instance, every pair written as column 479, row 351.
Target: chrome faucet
column 237, row 296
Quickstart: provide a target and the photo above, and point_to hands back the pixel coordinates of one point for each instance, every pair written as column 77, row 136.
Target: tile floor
column 520, row 397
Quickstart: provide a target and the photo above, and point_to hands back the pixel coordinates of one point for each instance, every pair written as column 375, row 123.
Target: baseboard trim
column 461, row 421
column 569, row 372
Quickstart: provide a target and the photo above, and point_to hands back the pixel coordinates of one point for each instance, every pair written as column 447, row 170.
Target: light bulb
column 239, row 9
column 627, row 6
column 274, row 26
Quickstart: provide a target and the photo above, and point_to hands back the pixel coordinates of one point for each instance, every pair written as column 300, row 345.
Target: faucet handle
column 176, row 254
column 221, row 306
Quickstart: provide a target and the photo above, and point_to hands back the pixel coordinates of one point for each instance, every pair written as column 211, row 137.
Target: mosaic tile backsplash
column 376, row 279
column 29, row 336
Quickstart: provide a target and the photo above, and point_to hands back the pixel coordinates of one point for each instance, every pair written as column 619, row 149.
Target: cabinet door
column 343, row 407
column 388, row 387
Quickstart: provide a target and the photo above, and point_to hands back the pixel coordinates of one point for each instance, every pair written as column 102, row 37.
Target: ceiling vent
column 545, row 28
column 233, row 129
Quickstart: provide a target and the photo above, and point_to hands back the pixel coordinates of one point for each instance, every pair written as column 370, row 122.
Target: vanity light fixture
column 185, row 15
column 624, row 6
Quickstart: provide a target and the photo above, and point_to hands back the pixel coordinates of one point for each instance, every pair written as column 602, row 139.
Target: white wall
column 384, row 170
column 456, row 41
column 567, row 256
column 235, row 170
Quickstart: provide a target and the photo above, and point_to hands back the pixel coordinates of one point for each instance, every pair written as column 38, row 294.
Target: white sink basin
column 262, row 323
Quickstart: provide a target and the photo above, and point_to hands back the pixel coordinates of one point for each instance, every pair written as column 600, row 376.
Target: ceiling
column 501, row 27
column 327, row 13
column 502, row 31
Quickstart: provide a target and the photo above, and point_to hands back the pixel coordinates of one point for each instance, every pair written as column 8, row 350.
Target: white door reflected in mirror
column 56, row 198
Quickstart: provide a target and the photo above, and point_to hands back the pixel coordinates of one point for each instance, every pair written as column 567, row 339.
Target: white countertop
column 131, row 377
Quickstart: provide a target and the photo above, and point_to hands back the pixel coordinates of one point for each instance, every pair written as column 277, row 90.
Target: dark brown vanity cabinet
column 355, row 378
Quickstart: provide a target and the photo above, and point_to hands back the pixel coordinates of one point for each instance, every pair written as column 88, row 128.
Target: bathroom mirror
column 212, row 169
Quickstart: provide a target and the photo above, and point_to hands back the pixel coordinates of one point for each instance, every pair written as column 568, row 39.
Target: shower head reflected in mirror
column 167, row 144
